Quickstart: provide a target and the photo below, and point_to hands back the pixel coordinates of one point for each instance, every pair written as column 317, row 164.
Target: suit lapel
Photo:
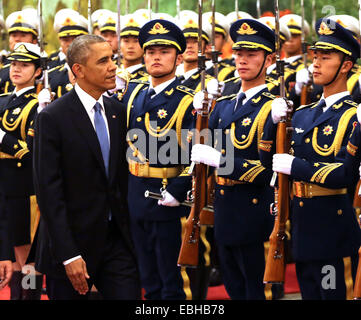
column 83, row 123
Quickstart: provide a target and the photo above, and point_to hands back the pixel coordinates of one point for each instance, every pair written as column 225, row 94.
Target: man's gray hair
column 79, row 49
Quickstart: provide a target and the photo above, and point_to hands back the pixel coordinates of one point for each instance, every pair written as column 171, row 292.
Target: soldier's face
column 111, row 38
column 191, row 52
column 23, row 74
column 130, row 48
column 98, row 72
column 249, row 62
column 65, row 42
column 219, row 42
column 161, row 60
column 326, row 64
column 293, row 46
column 19, row 36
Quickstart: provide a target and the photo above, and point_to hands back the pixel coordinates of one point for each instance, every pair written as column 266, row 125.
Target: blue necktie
column 319, row 109
column 148, row 97
column 102, row 134
column 239, row 103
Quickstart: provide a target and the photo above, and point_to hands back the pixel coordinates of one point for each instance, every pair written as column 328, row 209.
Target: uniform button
column 254, row 201
column 325, row 146
column 135, row 137
column 243, row 136
column 221, row 192
column 301, row 204
column 223, row 151
column 307, row 140
column 339, row 212
column 19, row 164
column 139, row 119
column 292, row 143
column 227, row 131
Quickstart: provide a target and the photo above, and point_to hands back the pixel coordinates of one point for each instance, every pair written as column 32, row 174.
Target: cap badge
column 292, row 22
column 68, row 22
column 324, row 29
column 19, row 19
column 22, row 49
column 158, row 29
column 246, row 29
column 132, row 23
column 191, row 24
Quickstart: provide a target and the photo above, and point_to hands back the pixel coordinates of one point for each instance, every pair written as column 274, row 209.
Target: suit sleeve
column 49, row 187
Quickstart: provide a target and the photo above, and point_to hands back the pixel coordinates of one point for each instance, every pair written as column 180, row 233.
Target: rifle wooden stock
column 357, row 287
column 207, row 214
column 275, row 263
column 305, row 94
column 188, row 255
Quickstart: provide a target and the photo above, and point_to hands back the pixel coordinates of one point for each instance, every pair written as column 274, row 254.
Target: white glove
column 212, row 87
column 279, row 109
column 282, row 163
column 44, row 98
column 358, row 112
column 198, row 100
column 120, row 84
column 202, row 153
column 168, row 200
column 302, row 78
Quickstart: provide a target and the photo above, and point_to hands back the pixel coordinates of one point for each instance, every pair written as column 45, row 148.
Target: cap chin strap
column 167, row 74
column 338, row 71
column 260, row 70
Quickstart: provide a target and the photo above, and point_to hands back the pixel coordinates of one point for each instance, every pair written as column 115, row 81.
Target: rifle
column 43, row 58
column 119, row 59
column 357, row 206
column 307, row 89
column 188, row 255
column 275, row 263
column 207, row 214
column 90, row 24
column 258, row 9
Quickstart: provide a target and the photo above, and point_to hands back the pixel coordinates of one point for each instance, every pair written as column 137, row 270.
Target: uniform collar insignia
column 168, row 93
column 256, row 100
column 337, row 106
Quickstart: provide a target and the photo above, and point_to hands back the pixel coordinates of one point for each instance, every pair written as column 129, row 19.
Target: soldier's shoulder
column 351, row 103
column 232, row 80
column 306, row 106
column 137, row 81
column 229, row 97
column 268, row 95
column 186, row 90
column 5, row 94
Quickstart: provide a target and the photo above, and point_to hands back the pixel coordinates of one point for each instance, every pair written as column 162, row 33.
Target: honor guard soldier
column 188, row 70
column 22, row 26
column 17, row 114
column 159, row 110
column 325, row 231
column 132, row 53
column 107, row 24
column 242, row 193
column 95, row 17
column 233, row 85
column 225, row 70
column 69, row 24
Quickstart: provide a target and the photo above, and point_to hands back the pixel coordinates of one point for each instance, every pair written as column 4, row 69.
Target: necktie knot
column 319, row 109
column 151, row 93
column 97, row 107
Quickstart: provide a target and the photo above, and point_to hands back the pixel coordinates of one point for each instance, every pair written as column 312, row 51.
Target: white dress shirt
column 330, row 100
column 160, row 87
column 250, row 93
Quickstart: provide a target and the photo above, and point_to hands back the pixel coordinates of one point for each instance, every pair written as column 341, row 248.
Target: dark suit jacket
column 73, row 192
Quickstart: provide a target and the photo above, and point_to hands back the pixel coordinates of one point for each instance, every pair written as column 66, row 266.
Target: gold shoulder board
column 186, row 90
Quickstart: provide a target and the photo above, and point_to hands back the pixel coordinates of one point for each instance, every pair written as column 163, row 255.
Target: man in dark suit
column 80, row 177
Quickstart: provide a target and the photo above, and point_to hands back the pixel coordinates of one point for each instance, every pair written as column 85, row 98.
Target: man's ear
column 78, row 70
column 179, row 59
column 347, row 66
column 269, row 60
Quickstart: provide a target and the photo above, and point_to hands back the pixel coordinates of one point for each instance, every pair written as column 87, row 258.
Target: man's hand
column 6, row 271
column 77, row 274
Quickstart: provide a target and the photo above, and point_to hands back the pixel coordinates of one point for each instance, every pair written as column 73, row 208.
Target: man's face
column 191, row 52
column 130, row 48
column 219, row 41
column 161, row 60
column 293, row 46
column 325, row 66
column 249, row 62
column 111, row 38
column 19, row 36
column 65, row 42
column 99, row 70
